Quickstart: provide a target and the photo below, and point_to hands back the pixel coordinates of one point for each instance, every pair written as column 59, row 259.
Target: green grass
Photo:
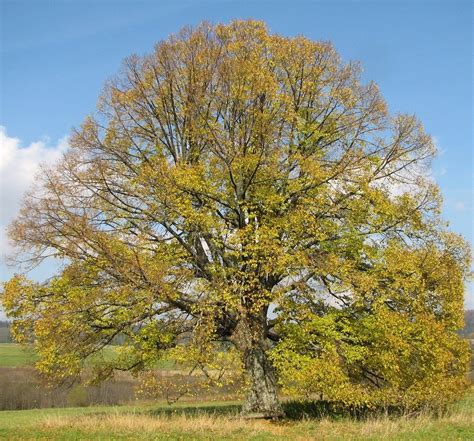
column 219, row 421
column 15, row 355
column 213, row 420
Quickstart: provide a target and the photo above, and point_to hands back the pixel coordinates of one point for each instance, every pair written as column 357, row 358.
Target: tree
column 468, row 330
column 245, row 187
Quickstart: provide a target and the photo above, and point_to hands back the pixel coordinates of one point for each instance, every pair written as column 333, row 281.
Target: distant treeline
column 5, row 334
column 468, row 330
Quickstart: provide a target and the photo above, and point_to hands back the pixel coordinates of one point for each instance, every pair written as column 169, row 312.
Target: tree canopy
column 244, row 187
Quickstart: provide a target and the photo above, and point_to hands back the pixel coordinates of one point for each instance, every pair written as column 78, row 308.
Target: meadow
column 15, row 355
column 199, row 418
column 220, row 420
column 22, row 388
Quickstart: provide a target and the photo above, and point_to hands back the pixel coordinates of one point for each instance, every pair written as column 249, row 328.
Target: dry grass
column 220, row 421
column 136, row 423
column 181, row 426
column 22, row 388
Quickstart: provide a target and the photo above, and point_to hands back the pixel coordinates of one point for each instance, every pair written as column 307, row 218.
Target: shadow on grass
column 294, row 410
column 216, row 410
column 298, row 410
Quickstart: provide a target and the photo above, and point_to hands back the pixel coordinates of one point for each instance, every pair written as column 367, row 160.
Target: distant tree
column 468, row 329
column 242, row 186
column 5, row 334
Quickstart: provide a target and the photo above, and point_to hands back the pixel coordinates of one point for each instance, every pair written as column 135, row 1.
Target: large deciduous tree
column 241, row 186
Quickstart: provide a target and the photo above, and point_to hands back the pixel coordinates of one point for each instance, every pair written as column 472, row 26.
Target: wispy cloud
column 18, row 168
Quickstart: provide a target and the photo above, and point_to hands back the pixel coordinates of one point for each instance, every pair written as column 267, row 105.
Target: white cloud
column 407, row 180
column 18, row 167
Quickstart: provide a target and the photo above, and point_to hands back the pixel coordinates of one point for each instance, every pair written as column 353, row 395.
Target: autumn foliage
column 241, row 189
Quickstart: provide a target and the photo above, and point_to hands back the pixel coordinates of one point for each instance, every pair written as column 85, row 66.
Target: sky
column 55, row 57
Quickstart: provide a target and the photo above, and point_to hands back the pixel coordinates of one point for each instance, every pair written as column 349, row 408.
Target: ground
column 219, row 421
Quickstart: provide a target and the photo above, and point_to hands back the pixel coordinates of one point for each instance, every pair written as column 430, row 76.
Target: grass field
column 15, row 355
column 212, row 420
column 220, row 421
column 21, row 387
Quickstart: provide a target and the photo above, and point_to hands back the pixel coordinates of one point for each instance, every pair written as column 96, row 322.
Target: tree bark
column 262, row 396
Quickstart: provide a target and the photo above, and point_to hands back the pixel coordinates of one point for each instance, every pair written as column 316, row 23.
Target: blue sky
column 56, row 56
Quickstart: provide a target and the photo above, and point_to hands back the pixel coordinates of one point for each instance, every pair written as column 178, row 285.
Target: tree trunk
column 262, row 397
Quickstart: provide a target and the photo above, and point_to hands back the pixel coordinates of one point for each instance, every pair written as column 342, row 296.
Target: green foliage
column 77, row 396
column 390, row 348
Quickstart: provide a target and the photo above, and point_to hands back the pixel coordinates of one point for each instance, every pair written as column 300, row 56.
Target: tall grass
column 222, row 421
column 22, row 388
